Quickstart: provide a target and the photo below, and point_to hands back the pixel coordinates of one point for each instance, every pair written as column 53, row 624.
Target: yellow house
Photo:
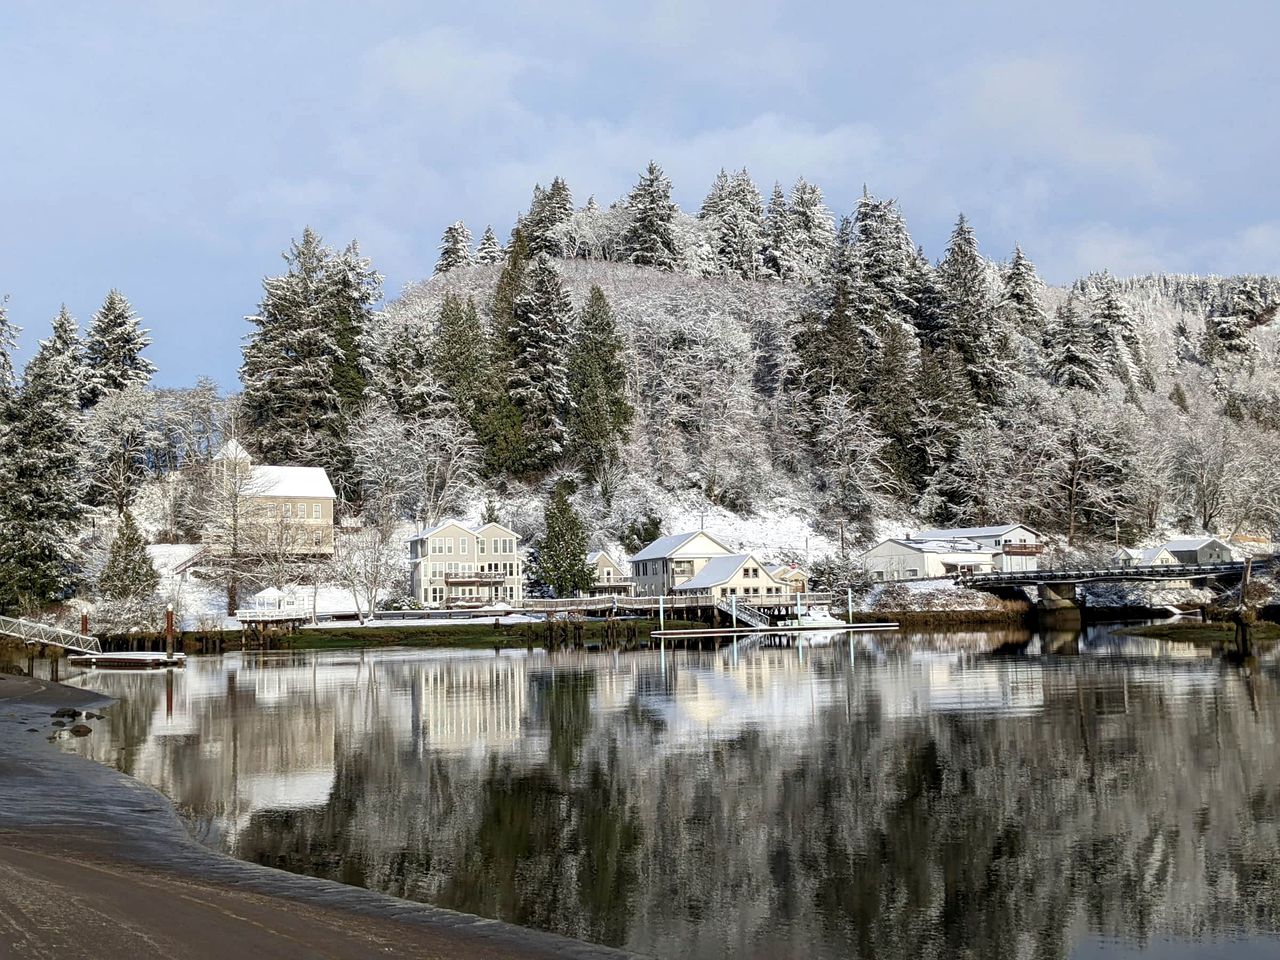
column 454, row 565
column 276, row 509
column 611, row 580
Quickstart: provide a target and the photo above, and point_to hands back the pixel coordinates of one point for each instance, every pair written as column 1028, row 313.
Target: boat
column 811, row 618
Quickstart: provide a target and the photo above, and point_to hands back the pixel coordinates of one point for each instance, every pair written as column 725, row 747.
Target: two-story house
column 1015, row 547
column 264, row 509
column 454, row 565
column 670, row 561
column 737, row 575
column 611, row 580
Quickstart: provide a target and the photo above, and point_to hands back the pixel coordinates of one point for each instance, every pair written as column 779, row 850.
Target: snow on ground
column 1152, row 594
column 780, row 527
column 922, row 595
column 506, row 620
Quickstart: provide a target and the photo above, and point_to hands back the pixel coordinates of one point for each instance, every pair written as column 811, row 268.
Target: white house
column 453, row 565
column 1138, row 557
column 912, row 559
column 671, row 561
column 280, row 509
column 1016, row 547
column 735, row 575
column 611, row 580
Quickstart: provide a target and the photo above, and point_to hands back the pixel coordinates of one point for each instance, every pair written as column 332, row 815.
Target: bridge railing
column 1180, row 571
column 30, row 631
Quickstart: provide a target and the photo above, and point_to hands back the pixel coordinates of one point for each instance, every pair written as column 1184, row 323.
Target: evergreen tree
column 963, row 278
column 129, row 573
column 1227, row 327
column 735, row 214
column 1072, row 351
column 562, row 556
column 357, row 288
column 1021, row 301
column 461, row 359
column 489, row 250
column 41, row 501
column 8, row 346
column 883, row 252
column 1117, row 333
column 926, row 304
column 599, row 413
column 455, row 248
column 113, row 350
column 649, row 240
column 538, row 381
column 301, row 364
column 500, row 429
column 811, row 231
column 779, row 255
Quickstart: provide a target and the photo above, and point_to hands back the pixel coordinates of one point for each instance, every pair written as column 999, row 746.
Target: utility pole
column 842, row 550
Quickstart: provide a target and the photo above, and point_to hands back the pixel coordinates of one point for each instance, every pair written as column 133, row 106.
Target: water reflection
column 862, row 798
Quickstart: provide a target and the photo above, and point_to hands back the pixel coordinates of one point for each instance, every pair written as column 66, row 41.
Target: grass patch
column 1203, row 633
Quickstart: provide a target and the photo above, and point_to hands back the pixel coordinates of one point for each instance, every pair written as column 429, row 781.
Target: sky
column 173, row 148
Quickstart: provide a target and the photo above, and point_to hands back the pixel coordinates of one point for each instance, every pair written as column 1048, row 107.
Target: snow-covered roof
column 666, row 546
column 470, row 528
column 956, row 545
column 1192, row 543
column 951, row 533
column 310, row 482
column 784, row 569
column 717, row 571
column 1132, row 553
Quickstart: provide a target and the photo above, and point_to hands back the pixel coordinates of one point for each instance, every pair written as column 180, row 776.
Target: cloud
column 1040, row 111
column 449, row 73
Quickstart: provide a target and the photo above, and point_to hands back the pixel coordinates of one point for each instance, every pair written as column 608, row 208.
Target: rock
column 12, row 669
column 81, row 730
column 59, row 723
column 66, row 713
column 32, row 730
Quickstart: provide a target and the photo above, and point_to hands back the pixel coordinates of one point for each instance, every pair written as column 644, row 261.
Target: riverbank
column 96, row 864
column 1204, row 633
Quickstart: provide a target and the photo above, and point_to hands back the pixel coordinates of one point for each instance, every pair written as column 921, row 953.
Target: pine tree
column 300, row 364
column 41, row 502
column 1229, row 325
column 8, row 346
column 357, row 288
column 489, row 250
column 1117, row 333
column 648, row 240
column 599, row 413
column 779, row 256
column 882, row 250
column 811, row 231
column 461, row 359
column 455, row 248
column 963, row 278
column 129, row 573
column 1072, row 352
column 113, row 350
column 734, row 211
column 1021, row 302
column 538, row 381
column 562, row 555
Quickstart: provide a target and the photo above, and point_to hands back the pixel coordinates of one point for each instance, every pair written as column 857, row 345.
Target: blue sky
column 172, row 148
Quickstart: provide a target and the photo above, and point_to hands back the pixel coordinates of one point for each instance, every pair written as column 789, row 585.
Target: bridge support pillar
column 1058, row 604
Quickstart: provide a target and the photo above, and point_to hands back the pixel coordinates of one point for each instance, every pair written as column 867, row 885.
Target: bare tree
column 368, row 562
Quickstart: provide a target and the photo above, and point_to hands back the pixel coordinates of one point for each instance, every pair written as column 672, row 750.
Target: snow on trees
column 562, row 552
column 538, row 380
column 648, row 240
column 113, row 348
column 42, row 502
column 488, row 250
column 455, row 248
column 599, row 414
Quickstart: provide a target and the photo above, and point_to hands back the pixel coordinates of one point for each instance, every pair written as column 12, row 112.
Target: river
column 866, row 798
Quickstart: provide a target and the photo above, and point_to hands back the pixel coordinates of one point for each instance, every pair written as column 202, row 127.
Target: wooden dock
column 760, row 631
column 127, row 660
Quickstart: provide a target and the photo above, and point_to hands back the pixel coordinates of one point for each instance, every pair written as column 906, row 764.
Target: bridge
column 1057, row 588
column 42, row 634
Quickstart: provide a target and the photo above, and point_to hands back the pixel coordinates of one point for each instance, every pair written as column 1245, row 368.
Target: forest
column 633, row 368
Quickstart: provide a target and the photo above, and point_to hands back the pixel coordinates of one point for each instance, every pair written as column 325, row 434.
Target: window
column 496, row 543
column 462, row 544
column 448, row 545
column 480, row 542
column 317, row 511
column 437, row 594
column 271, row 510
column 912, row 572
column 316, row 538
column 287, row 511
column 436, row 546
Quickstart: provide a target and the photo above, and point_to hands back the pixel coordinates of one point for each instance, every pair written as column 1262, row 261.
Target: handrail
column 30, row 631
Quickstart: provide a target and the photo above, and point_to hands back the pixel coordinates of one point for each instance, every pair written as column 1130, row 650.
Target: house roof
column 1192, row 543
column 170, row 559
column 716, row 572
column 951, row 533
column 232, row 450
column 782, row 569
column 957, row 545
column 470, row 528
column 666, row 546
column 292, row 482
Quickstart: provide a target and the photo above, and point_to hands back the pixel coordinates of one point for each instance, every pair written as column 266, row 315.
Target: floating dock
column 761, row 631
column 129, row 660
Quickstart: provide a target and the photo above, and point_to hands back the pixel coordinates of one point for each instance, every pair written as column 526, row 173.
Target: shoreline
column 95, row 863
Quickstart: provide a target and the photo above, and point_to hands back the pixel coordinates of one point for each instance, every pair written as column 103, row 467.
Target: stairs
column 744, row 612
